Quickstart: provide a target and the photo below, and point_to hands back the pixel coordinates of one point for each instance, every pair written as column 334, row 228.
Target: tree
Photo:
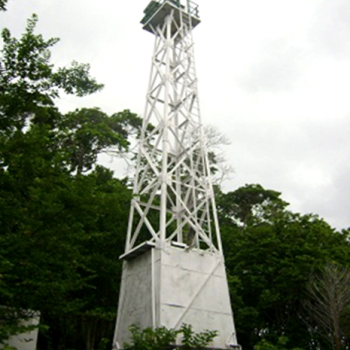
column 85, row 133
column 29, row 84
column 329, row 304
column 59, row 239
column 3, row 5
column 250, row 204
column 268, row 264
column 215, row 140
column 96, row 211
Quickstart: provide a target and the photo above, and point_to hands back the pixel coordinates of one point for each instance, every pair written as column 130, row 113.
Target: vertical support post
column 165, row 145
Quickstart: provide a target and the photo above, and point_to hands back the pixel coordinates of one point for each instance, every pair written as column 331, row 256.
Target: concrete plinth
column 171, row 286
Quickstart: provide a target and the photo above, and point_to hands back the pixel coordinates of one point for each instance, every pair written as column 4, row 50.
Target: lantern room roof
column 156, row 12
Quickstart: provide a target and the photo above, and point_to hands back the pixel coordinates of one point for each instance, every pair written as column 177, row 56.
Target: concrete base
column 171, row 286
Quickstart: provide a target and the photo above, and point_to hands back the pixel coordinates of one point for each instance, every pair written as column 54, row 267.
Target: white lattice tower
column 172, row 184
column 174, row 270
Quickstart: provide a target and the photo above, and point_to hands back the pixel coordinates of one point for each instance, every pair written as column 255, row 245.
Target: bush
column 162, row 338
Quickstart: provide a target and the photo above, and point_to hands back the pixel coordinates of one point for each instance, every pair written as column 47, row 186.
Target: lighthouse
column 173, row 269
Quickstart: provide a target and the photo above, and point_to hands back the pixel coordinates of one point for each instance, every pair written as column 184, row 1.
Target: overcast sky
column 274, row 76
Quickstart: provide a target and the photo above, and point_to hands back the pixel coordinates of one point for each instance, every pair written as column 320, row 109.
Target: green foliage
column 269, row 263
column 3, row 5
column 85, row 133
column 281, row 345
column 75, row 80
column 151, row 339
column 192, row 340
column 64, row 251
column 61, row 231
column 162, row 338
column 29, row 82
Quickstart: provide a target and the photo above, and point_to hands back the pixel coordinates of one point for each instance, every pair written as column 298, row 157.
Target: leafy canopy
column 29, row 83
column 59, row 241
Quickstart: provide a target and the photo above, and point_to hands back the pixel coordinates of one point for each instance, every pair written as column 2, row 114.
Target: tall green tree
column 96, row 212
column 62, row 218
column 250, row 204
column 86, row 133
column 269, row 263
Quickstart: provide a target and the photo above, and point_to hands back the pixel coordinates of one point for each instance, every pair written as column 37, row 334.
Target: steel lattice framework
column 173, row 270
column 173, row 198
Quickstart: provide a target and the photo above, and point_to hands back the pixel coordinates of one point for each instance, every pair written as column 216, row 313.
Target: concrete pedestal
column 171, row 286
